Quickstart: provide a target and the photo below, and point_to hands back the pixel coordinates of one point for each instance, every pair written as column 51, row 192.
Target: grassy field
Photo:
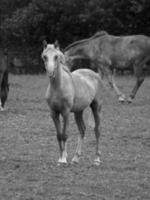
column 29, row 150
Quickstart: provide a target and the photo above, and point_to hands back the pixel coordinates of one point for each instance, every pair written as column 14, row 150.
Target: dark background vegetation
column 24, row 24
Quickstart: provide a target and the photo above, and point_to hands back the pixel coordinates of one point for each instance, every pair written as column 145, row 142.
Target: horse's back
column 110, row 50
column 123, row 51
column 124, row 42
column 106, row 42
column 87, row 86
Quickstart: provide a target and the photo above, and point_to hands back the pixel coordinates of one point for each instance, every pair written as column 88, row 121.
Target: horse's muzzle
column 51, row 75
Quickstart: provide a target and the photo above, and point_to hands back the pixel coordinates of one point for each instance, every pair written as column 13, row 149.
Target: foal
column 71, row 92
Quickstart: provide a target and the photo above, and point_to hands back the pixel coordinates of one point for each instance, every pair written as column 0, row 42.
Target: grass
column 29, row 150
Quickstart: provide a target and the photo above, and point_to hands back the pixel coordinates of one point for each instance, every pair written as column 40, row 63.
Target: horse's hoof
column 63, row 165
column 97, row 162
column 74, row 163
column 75, row 160
column 62, row 161
column 1, row 109
column 121, row 99
column 129, row 100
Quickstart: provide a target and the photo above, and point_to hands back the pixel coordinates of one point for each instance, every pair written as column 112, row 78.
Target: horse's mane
column 96, row 35
column 76, row 43
column 66, row 69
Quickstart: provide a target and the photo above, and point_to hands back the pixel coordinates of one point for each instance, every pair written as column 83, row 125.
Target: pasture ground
column 29, row 150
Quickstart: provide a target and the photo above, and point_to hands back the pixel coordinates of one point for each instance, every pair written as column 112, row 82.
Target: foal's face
column 49, row 56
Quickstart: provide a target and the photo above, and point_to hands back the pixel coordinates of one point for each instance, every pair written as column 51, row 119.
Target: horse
column 71, row 92
column 108, row 52
column 4, row 85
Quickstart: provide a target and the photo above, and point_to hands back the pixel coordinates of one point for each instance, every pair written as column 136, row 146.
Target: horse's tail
column 4, row 88
column 5, row 83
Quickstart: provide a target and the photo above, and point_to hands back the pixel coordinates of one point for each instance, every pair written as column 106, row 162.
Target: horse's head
column 51, row 53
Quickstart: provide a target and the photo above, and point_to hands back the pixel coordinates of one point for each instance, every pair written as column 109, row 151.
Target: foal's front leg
column 56, row 119
column 61, row 135
column 64, row 137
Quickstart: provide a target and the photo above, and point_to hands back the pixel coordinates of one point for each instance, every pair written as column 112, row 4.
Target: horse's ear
column 56, row 45
column 44, row 44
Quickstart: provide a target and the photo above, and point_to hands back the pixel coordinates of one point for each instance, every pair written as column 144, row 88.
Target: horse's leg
column 139, row 80
column 111, row 82
column 64, row 136
column 96, row 109
column 1, row 79
column 56, row 120
column 81, row 127
column 121, row 96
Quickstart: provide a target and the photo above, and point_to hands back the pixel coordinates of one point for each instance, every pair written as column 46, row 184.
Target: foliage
column 69, row 20
column 26, row 23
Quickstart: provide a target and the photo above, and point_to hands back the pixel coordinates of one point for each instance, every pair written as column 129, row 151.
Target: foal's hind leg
column 81, row 127
column 96, row 108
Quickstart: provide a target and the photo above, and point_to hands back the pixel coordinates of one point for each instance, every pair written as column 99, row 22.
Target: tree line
column 24, row 24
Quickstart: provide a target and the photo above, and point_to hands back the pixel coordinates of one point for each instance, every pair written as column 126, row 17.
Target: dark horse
column 107, row 52
column 4, row 85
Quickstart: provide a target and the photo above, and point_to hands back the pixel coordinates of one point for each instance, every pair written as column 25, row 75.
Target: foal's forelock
column 51, row 55
column 56, row 52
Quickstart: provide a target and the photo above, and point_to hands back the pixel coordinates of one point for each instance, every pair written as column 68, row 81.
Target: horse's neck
column 59, row 76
